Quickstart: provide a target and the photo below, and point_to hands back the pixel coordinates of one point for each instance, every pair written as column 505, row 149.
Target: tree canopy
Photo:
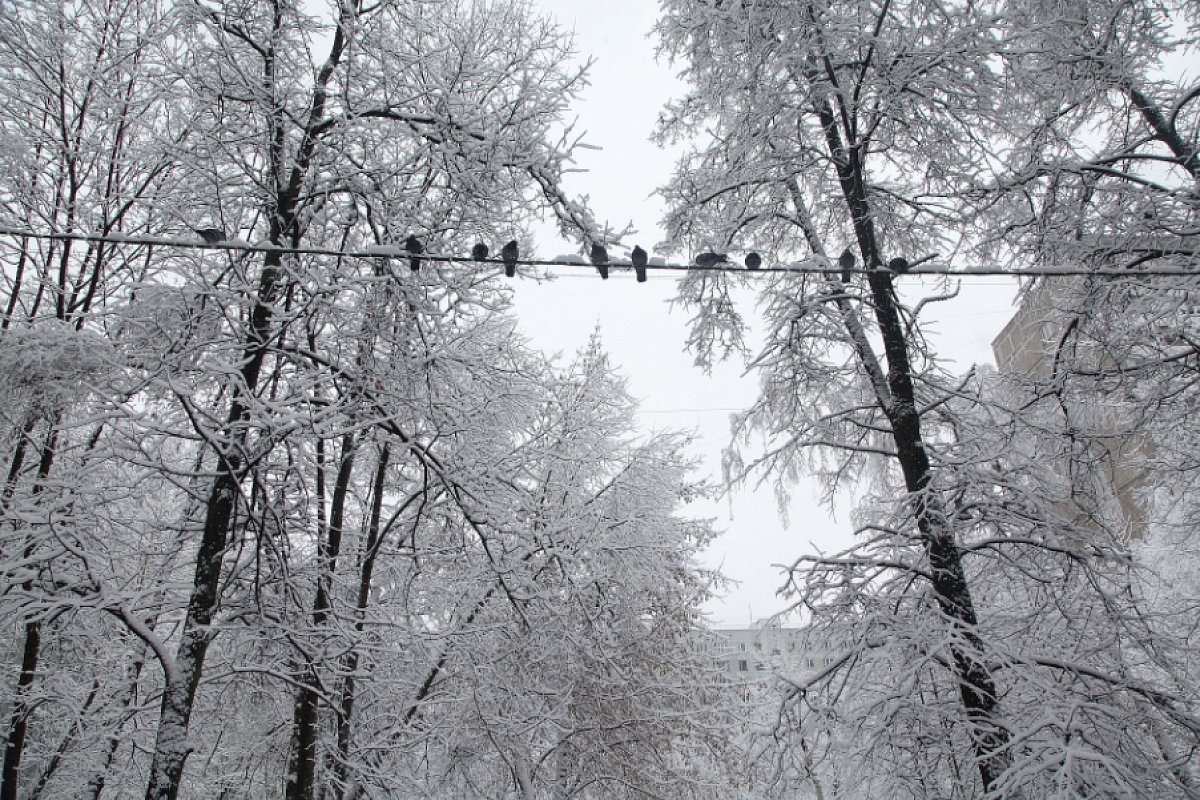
column 278, row 520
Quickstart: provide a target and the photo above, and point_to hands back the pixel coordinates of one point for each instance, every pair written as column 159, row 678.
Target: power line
column 796, row 268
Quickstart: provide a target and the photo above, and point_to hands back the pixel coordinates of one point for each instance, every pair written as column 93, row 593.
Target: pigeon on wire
column 414, row 247
column 711, row 259
column 479, row 252
column 753, row 261
column 210, row 235
column 509, row 254
column 638, row 258
column 898, row 265
column 600, row 259
column 846, row 261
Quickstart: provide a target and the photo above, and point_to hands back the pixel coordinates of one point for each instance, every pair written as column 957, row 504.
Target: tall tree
column 77, row 155
column 412, row 99
column 867, row 125
column 216, row 379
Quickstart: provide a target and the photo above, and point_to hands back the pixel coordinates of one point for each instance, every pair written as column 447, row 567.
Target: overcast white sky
column 645, row 336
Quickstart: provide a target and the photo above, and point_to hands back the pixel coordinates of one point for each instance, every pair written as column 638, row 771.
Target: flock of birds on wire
column 511, row 253
column 510, row 256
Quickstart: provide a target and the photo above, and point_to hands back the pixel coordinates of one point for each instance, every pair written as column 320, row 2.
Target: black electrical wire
column 398, row 252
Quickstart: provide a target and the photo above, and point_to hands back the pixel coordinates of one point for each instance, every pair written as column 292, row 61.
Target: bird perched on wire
column 414, row 247
column 638, row 258
column 846, row 261
column 898, row 265
column 509, row 254
column 210, row 235
column 711, row 259
column 600, row 259
column 753, row 261
column 479, row 252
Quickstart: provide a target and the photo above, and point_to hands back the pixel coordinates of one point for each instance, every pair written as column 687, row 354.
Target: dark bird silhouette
column 479, row 252
column 846, row 261
column 600, row 259
column 898, row 265
column 510, row 253
column 210, row 235
column 753, row 261
column 414, row 247
column 711, row 259
column 638, row 257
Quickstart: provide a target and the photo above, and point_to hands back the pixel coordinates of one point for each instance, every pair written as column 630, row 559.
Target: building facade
column 1033, row 347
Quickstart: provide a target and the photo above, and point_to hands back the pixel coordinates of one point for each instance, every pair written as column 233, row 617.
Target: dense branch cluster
column 1006, row 638
column 277, row 522
column 285, row 520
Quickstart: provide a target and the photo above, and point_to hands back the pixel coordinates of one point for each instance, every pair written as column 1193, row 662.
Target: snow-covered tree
column 77, row 155
column 293, row 523
column 997, row 645
column 413, row 109
column 557, row 655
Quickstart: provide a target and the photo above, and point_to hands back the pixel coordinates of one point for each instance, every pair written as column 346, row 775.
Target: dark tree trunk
column 303, row 769
column 977, row 687
column 18, row 727
column 181, row 677
column 350, row 666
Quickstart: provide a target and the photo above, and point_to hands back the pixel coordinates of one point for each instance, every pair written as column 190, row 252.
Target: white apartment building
column 1028, row 346
column 756, row 650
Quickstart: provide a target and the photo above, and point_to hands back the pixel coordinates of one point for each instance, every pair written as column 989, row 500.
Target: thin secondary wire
column 687, row 410
column 398, row 252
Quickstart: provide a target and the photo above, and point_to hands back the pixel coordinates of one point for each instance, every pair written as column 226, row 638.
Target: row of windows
column 744, row 666
column 791, row 648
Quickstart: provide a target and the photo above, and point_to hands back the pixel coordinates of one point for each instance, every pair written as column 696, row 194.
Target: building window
column 742, row 665
column 742, row 647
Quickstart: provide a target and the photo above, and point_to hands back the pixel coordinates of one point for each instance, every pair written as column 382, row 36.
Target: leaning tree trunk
column 183, row 674
column 896, row 397
column 977, row 688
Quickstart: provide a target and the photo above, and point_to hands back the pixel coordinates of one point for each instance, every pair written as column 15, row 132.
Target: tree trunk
column 18, row 727
column 350, row 666
column 977, row 688
column 303, row 769
column 183, row 676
